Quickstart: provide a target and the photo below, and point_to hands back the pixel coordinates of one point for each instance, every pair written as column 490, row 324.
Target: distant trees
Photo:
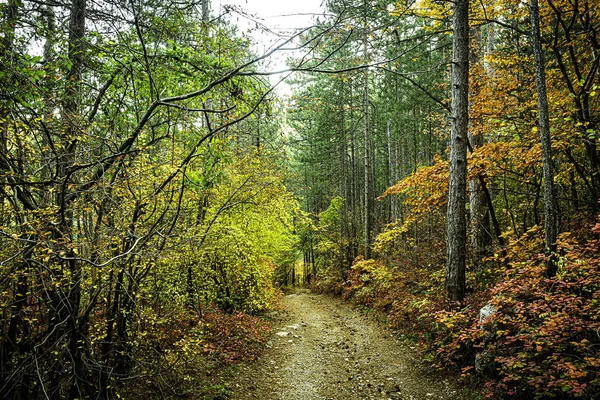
column 494, row 144
column 343, row 101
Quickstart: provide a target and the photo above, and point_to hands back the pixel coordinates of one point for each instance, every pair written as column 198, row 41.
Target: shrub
column 543, row 341
column 231, row 338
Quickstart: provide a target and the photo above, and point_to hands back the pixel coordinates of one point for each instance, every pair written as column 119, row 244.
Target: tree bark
column 8, row 23
column 550, row 203
column 205, row 10
column 478, row 207
column 456, row 223
column 390, row 167
column 368, row 212
column 71, row 112
column 355, row 185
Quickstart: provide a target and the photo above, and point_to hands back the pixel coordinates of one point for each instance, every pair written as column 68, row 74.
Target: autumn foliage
column 542, row 339
column 231, row 338
column 189, row 353
column 541, row 342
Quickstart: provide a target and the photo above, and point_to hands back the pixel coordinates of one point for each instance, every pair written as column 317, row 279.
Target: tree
column 97, row 183
column 550, row 203
column 479, row 208
column 368, row 200
column 456, row 224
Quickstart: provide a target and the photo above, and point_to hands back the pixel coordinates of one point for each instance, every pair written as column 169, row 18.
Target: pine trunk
column 456, row 224
column 550, row 204
column 368, row 212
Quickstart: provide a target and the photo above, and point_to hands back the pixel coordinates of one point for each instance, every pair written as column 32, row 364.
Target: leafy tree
column 115, row 148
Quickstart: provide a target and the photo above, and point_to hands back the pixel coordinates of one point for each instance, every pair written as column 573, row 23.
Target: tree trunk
column 12, row 316
column 456, row 224
column 77, row 326
column 205, row 10
column 368, row 212
column 354, row 186
column 550, row 203
column 390, row 168
column 490, row 46
column 346, row 194
column 8, row 23
column 478, row 207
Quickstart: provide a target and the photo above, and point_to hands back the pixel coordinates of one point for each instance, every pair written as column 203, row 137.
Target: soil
column 323, row 349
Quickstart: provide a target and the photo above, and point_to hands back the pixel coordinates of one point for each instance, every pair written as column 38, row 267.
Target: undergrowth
column 189, row 356
column 542, row 341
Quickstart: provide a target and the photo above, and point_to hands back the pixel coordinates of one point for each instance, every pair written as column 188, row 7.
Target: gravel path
column 322, row 349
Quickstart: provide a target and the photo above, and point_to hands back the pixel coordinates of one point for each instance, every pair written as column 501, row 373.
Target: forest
column 436, row 163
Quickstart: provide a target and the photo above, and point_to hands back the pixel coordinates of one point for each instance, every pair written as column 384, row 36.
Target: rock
column 296, row 326
column 283, row 334
column 484, row 314
column 484, row 361
column 486, row 311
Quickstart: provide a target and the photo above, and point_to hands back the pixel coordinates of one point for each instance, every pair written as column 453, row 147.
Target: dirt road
column 323, row 349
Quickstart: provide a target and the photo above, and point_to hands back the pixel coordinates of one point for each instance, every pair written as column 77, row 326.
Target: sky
column 278, row 13
column 280, row 16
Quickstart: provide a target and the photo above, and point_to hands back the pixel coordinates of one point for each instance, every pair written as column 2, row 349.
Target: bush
column 547, row 343
column 543, row 341
column 185, row 356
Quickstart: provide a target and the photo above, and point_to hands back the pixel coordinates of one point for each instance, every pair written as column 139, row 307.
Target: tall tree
column 550, row 202
column 456, row 222
column 368, row 195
